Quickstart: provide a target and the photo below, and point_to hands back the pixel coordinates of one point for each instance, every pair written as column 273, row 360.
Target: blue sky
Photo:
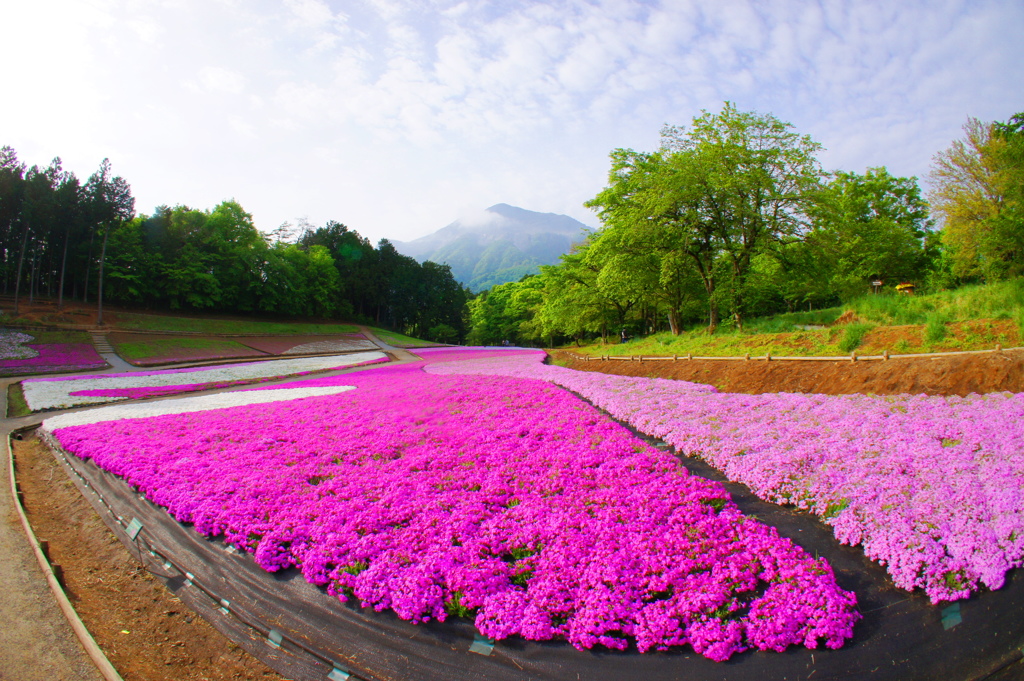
column 396, row 117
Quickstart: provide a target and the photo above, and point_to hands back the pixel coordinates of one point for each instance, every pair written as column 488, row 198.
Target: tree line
column 734, row 217
column 62, row 238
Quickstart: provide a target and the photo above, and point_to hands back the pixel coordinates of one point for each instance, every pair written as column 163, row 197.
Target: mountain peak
column 499, row 244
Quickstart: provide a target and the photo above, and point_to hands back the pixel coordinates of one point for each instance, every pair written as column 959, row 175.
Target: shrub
column 853, row 335
column 935, row 328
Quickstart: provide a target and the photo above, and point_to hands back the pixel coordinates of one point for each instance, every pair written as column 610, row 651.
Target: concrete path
column 106, row 351
column 398, row 353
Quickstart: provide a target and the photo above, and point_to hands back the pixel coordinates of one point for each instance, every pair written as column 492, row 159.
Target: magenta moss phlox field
column 930, row 486
column 507, row 500
column 55, row 357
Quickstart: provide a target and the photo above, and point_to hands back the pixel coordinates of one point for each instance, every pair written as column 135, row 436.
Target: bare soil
column 145, row 631
column 954, row 375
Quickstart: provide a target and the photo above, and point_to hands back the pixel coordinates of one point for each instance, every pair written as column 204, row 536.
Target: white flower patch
column 187, row 404
column 331, row 346
column 56, row 393
column 12, row 345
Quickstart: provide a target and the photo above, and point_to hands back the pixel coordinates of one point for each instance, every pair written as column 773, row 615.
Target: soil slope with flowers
column 949, row 375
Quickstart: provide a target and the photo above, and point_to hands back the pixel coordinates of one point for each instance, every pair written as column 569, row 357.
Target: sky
column 396, row 117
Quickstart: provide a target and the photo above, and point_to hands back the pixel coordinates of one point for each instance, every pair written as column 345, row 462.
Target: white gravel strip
column 50, row 394
column 187, row 404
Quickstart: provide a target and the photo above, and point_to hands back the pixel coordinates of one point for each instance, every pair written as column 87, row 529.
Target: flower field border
column 22, row 356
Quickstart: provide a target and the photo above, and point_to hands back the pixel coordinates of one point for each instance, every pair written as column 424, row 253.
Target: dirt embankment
column 144, row 630
column 953, row 375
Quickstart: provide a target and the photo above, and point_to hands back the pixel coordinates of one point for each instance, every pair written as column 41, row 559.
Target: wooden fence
column 852, row 357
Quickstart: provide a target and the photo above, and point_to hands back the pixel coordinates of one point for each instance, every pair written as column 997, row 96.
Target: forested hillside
column 63, row 238
column 734, row 217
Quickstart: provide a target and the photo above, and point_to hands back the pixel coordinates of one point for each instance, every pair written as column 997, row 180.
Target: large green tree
column 732, row 186
column 977, row 194
column 754, row 181
column 864, row 227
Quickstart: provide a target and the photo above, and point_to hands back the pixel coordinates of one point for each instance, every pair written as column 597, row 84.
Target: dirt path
column 147, row 633
column 36, row 641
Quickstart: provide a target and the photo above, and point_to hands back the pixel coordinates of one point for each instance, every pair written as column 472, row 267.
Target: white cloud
column 394, row 115
column 219, row 79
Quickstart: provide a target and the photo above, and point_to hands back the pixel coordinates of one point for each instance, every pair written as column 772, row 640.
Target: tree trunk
column 674, row 321
column 31, row 278
column 21, row 262
column 88, row 265
column 63, row 270
column 99, row 297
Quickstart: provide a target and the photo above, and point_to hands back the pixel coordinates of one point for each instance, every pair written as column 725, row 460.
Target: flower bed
column 53, row 358
column 12, row 345
column 64, row 393
column 152, row 350
column 507, row 500
column 930, row 486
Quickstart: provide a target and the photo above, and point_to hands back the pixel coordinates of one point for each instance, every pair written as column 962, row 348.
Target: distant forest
column 62, row 238
column 729, row 219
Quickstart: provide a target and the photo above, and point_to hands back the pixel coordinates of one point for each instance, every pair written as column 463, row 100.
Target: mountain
column 502, row 244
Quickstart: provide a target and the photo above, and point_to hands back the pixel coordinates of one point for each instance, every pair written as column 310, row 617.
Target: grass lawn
column 400, row 341
column 165, row 350
column 146, row 322
column 16, row 404
column 863, row 338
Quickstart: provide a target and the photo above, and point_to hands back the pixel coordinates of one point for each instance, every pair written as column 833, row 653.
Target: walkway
column 36, row 641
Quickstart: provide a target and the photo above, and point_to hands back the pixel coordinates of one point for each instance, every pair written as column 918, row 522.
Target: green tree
column 733, row 186
column 651, row 215
column 110, row 204
column 865, row 227
column 754, row 181
column 12, row 193
column 505, row 313
column 976, row 192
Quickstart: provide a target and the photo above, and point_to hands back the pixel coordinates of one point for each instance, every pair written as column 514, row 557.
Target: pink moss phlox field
column 508, row 500
column 930, row 486
column 56, row 357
